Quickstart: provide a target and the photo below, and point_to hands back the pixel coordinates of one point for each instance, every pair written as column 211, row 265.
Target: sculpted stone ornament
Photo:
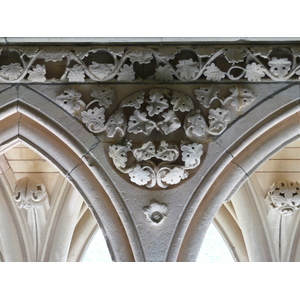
column 155, row 213
column 284, row 196
column 165, row 173
column 164, row 112
column 29, row 193
column 71, row 101
column 166, row 63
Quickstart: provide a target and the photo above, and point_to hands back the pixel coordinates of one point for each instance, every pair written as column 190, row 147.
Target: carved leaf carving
column 76, row 74
column 181, row 102
column 195, row 125
column 170, row 122
column 116, row 124
column 207, row 95
column 157, row 103
column 187, row 68
column 254, row 72
column 191, row 154
column 205, row 51
column 240, row 97
column 234, row 55
column 142, row 56
column 102, row 71
column 135, row 100
column 119, row 155
column 140, row 176
column 37, row 74
column 139, row 123
column 167, row 53
column 172, row 176
column 126, row 73
column 71, row 101
column 12, row 71
column 214, row 73
column 145, row 152
column 164, row 73
column 53, row 54
column 218, row 120
column 94, row 119
column 103, row 95
column 167, row 152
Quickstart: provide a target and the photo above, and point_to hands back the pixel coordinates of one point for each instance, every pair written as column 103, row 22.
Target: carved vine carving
column 159, row 63
column 176, row 124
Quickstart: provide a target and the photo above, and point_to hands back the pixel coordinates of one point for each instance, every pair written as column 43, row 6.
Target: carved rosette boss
column 155, row 213
column 284, row 196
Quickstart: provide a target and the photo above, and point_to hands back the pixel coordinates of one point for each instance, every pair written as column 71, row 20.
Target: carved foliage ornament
column 29, row 193
column 180, row 125
column 284, row 196
column 162, row 63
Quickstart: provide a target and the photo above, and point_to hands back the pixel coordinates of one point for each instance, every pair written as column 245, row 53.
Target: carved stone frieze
column 284, row 196
column 156, row 64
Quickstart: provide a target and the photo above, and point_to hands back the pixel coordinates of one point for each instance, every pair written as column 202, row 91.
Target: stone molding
column 134, row 64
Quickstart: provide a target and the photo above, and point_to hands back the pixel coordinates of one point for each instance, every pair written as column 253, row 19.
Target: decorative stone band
column 284, row 196
column 178, row 124
column 155, row 64
column 29, row 192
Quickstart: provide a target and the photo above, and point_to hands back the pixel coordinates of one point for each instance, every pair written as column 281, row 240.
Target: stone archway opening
column 51, row 219
column 261, row 221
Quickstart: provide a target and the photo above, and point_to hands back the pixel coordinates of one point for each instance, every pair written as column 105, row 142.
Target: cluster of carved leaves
column 284, row 196
column 29, row 193
column 144, row 172
column 163, row 112
column 165, row 63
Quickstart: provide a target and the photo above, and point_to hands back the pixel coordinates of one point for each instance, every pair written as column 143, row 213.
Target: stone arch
column 235, row 155
column 28, row 115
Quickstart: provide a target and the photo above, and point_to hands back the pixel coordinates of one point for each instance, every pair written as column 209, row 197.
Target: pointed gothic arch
column 250, row 141
column 39, row 122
